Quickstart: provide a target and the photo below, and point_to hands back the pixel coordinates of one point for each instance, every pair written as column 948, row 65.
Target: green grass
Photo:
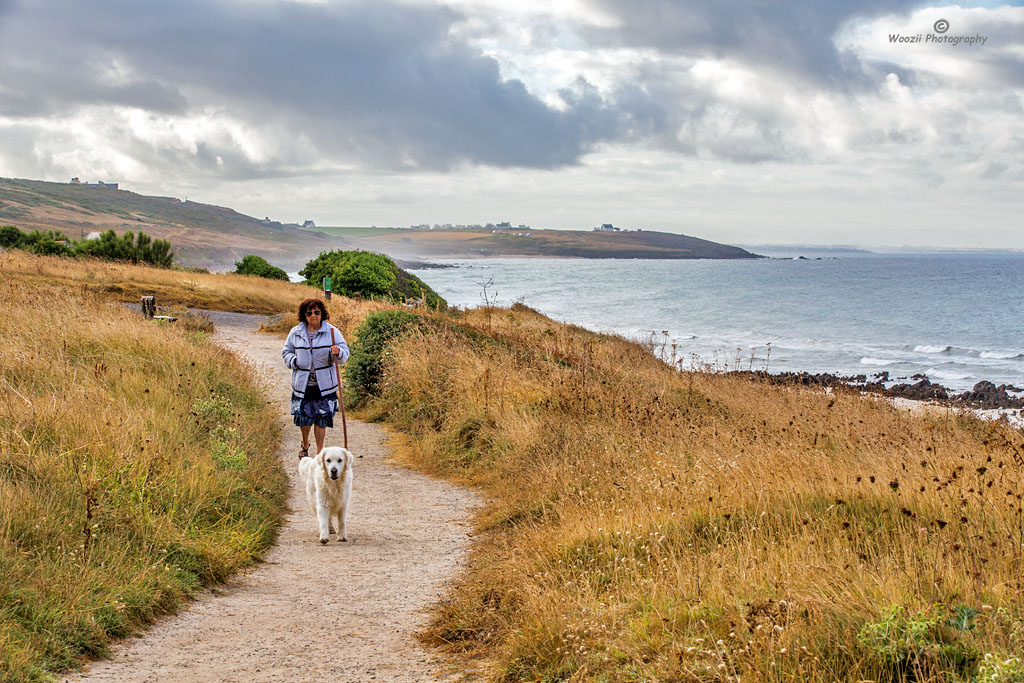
column 137, row 464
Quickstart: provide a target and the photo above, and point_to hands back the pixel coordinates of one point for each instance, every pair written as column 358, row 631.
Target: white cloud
column 715, row 119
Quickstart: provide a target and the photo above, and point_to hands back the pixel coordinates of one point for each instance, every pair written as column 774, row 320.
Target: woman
column 310, row 351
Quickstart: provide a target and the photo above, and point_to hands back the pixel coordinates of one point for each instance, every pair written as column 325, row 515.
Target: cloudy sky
column 740, row 122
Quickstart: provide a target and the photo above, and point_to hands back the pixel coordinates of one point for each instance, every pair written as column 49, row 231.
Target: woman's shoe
column 303, row 452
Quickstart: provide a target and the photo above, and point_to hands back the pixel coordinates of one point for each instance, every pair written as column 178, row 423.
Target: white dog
column 328, row 477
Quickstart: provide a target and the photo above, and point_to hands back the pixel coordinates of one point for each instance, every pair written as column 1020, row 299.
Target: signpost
column 327, row 288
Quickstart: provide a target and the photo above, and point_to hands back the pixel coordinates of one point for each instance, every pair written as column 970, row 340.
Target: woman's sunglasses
column 313, row 312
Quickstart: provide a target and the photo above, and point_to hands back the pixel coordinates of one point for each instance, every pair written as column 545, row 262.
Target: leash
column 341, row 398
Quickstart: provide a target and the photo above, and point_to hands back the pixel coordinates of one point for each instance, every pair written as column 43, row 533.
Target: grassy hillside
column 202, row 234
column 552, row 243
column 216, row 237
column 647, row 524
column 128, row 283
column 138, row 460
column 643, row 524
column 138, row 463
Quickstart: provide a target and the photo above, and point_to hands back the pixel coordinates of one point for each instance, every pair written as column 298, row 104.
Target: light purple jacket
column 302, row 360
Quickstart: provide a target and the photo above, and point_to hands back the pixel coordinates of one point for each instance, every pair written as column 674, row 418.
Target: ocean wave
column 927, row 348
column 877, row 361
column 1001, row 355
column 940, row 374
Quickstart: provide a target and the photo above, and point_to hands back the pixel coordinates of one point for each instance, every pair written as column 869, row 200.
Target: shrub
column 136, row 248
column 10, row 237
column 920, row 645
column 368, row 275
column 49, row 243
column 255, row 265
column 45, row 246
column 362, row 372
column 365, row 274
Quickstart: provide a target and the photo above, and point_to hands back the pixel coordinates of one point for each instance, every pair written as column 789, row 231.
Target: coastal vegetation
column 138, row 463
column 642, row 522
column 258, row 266
column 124, row 282
column 130, row 247
column 364, row 274
column 203, row 234
column 650, row 524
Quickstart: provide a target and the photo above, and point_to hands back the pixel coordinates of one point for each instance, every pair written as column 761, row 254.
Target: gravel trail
column 340, row 612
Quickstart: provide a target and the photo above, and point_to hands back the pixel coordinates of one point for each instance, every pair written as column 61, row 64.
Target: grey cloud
column 994, row 170
column 379, row 83
column 794, row 37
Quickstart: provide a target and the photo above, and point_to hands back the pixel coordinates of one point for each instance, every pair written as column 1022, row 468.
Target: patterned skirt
column 320, row 411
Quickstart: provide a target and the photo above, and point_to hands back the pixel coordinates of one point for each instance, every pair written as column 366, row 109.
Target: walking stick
column 341, row 398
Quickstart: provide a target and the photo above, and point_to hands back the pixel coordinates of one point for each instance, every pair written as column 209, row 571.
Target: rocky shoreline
column 983, row 396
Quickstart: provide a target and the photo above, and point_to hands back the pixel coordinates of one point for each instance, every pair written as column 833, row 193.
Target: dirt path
column 340, row 612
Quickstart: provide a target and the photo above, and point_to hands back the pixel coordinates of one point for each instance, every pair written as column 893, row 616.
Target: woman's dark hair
column 313, row 303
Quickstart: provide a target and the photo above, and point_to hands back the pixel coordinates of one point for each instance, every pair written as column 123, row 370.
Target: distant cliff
column 201, row 234
column 216, row 237
column 468, row 243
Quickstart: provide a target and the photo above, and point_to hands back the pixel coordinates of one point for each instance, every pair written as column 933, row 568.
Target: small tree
column 161, row 255
column 255, row 265
column 10, row 237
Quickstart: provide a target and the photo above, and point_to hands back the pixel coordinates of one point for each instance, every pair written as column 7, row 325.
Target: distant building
column 105, row 186
column 94, row 235
column 308, row 224
column 607, row 227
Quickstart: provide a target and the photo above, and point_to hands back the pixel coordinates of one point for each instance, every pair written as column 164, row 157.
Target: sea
column 955, row 318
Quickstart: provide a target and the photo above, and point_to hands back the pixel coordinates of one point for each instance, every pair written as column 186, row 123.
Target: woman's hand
column 335, row 350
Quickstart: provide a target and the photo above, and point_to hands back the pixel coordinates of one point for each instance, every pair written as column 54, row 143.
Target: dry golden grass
column 137, row 462
column 128, row 283
column 655, row 525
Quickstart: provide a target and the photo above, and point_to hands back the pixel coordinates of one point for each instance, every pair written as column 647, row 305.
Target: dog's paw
column 331, row 529
column 343, row 539
column 323, row 540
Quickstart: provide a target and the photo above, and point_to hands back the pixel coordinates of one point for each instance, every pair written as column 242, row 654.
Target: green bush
column 921, row 645
column 378, row 330
column 10, row 237
column 366, row 274
column 255, row 265
column 136, row 248
column 50, row 243
column 46, row 243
